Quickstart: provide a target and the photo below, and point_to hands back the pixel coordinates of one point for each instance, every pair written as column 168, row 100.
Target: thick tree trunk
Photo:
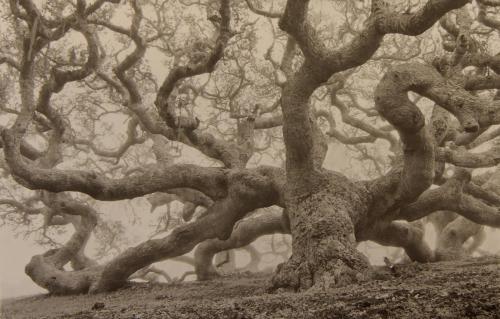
column 322, row 224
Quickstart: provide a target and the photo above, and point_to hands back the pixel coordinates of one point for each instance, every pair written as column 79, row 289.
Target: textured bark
column 326, row 213
column 45, row 274
column 322, row 225
column 245, row 232
column 409, row 236
column 47, row 270
column 324, row 209
column 246, row 193
column 450, row 196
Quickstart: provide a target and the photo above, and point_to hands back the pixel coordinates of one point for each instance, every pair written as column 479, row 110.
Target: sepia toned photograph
column 249, row 159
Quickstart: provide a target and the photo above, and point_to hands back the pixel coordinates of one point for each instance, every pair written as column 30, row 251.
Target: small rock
column 98, row 306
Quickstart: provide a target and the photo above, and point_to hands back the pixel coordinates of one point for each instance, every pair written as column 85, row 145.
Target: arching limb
column 245, row 232
column 406, row 235
column 47, row 270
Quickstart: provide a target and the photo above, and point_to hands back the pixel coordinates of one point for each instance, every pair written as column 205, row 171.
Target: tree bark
column 244, row 233
column 322, row 225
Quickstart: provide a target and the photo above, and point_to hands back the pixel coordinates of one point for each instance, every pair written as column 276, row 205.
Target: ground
column 465, row 289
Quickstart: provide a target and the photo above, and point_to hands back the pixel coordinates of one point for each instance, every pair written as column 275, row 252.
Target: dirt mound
column 465, row 289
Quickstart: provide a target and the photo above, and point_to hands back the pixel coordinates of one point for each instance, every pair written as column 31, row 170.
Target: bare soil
column 465, row 289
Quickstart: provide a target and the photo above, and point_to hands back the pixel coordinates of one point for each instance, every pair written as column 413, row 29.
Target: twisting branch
column 450, row 196
column 245, row 232
column 46, row 270
column 207, row 65
column 392, row 102
column 321, row 63
column 261, row 12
